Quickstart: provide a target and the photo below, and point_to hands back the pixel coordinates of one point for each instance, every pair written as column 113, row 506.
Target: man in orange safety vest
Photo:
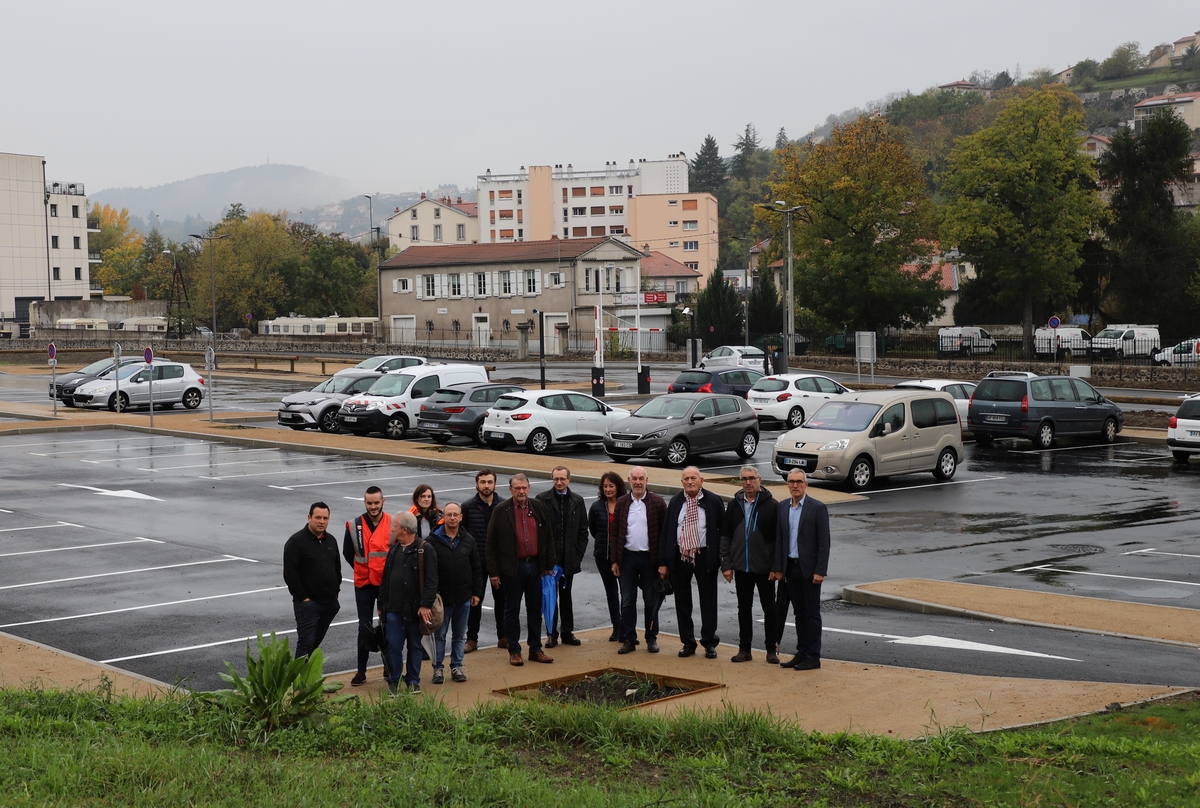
column 365, row 548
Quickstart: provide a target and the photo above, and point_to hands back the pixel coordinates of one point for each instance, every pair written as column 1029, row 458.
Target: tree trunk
column 1027, row 327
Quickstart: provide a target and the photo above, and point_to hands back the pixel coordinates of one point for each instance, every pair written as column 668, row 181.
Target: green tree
column 1125, row 60
column 1155, row 254
column 781, row 138
column 1191, row 58
column 865, row 230
column 1002, row 80
column 718, row 312
column 744, row 150
column 1023, row 200
column 707, row 169
column 1083, row 70
column 764, row 307
column 235, row 213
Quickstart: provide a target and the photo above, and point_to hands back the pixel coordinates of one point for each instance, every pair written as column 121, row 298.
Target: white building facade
column 433, row 221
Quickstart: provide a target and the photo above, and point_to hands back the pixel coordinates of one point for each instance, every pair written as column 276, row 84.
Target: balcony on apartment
column 66, row 188
column 94, row 257
column 93, row 224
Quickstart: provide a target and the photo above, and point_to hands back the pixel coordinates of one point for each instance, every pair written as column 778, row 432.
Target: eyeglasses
column 748, row 479
column 797, row 482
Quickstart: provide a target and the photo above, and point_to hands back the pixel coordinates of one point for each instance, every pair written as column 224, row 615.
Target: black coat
column 460, row 570
column 750, row 550
column 476, row 517
column 312, row 567
column 598, row 525
column 569, row 525
column 812, row 538
column 714, row 514
column 400, row 592
column 502, row 557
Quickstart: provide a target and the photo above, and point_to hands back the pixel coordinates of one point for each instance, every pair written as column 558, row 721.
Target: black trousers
column 768, row 595
column 476, row 615
column 612, row 591
column 564, row 612
column 706, row 585
column 365, row 597
column 527, row 584
column 806, row 601
column 312, row 621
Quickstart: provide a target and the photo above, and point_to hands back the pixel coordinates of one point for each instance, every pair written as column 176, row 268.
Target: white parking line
column 114, row 449
column 210, row 644
column 873, row 492
column 322, row 469
column 1066, row 448
column 138, row 540
column 4, row 511
column 440, row 491
column 1048, row 568
column 121, row 572
column 60, row 442
column 367, row 480
column 1152, row 551
column 184, row 454
column 139, row 608
column 209, row 465
column 37, row 527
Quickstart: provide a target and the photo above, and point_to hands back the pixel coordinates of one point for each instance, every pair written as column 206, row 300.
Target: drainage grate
column 1078, row 549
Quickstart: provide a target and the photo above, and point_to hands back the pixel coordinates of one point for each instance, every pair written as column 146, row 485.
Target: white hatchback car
column 789, row 398
column 1186, row 353
column 1183, row 430
column 959, row 391
column 537, row 419
column 385, row 364
column 734, row 356
column 173, row 383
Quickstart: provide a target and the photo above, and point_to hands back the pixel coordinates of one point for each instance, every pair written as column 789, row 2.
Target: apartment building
column 1186, row 105
column 682, row 226
column 43, row 239
column 544, row 202
column 434, row 221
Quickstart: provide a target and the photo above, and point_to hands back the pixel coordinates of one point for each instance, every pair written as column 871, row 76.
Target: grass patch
column 91, row 748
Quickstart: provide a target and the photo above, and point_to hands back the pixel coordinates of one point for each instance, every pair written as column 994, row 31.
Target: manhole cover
column 1078, row 549
column 617, row 687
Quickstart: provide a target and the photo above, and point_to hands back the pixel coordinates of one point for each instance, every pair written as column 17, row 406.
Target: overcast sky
column 399, row 96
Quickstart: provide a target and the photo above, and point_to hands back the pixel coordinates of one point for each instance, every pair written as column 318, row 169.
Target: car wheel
column 538, row 441
column 495, row 445
column 440, row 439
column 1065, row 354
column 191, row 399
column 678, row 452
column 397, row 427
column 1120, row 354
column 70, row 402
column 118, row 405
column 748, row 446
column 328, row 422
column 356, row 432
column 795, row 418
column 947, row 464
column 862, row 474
column 479, row 439
column 1109, row 433
column 1180, row 457
column 1045, row 435
column 297, row 427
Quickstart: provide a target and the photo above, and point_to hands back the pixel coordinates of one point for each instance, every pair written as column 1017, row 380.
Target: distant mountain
column 265, row 187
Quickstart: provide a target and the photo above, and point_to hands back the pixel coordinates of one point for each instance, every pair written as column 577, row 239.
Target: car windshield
column 1111, row 333
column 665, row 408
column 509, row 403
column 768, row 385
column 338, row 384
column 96, row 367
column 446, row 397
column 751, row 352
column 370, row 364
column 693, row 377
column 390, row 385
column 999, row 390
column 1189, row 409
column 843, row 416
column 126, row 371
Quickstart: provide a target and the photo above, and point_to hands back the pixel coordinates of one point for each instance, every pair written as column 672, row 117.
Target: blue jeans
column 364, row 598
column 527, row 584
column 456, row 618
column 312, row 621
column 400, row 634
column 638, row 573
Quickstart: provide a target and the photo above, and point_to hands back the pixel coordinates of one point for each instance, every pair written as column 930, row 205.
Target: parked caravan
column 81, row 324
column 151, row 324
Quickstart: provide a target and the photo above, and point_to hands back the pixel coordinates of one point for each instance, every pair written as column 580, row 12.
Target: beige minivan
column 880, row 433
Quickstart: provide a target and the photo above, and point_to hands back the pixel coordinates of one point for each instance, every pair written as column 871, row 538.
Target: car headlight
column 312, row 402
column 835, row 445
column 655, row 435
column 779, row 441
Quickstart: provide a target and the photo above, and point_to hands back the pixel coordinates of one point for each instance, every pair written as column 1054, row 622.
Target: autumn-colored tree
column 1024, row 199
column 120, row 248
column 247, row 264
column 865, row 230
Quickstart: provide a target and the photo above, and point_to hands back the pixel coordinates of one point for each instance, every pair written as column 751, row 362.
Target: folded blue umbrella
column 549, row 599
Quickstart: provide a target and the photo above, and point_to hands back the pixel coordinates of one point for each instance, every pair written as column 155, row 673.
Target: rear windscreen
column 1000, row 390
column 770, row 385
column 446, row 397
column 509, row 403
column 693, row 377
column 1189, row 409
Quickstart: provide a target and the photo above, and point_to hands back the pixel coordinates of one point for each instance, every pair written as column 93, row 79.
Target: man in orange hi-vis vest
column 365, row 548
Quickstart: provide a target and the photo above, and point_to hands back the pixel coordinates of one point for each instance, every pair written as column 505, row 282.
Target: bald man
column 691, row 548
column 634, row 550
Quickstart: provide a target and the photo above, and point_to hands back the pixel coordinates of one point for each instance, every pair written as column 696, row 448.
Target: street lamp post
column 687, row 312
column 789, row 311
column 212, row 278
column 378, row 280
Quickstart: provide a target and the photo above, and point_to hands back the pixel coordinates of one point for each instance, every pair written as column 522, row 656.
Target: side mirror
column 698, row 417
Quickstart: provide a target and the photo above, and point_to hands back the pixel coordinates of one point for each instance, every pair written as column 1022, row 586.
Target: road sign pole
column 210, row 361
column 149, row 357
column 117, row 372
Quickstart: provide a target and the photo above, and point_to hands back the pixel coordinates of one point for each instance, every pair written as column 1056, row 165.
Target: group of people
column 642, row 544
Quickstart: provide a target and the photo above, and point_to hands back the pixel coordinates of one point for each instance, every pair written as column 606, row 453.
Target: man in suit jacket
column 802, row 561
column 691, row 548
column 636, row 561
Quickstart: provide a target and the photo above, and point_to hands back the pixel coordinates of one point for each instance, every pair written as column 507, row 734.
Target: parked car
column 965, row 340
column 1183, row 430
column 858, row 437
column 174, row 383
column 385, row 364
column 538, row 419
column 318, row 408
column 715, row 381
column 1186, row 353
column 459, row 411
column 65, row 385
column 1067, row 341
column 787, row 397
column 729, row 356
column 676, row 428
column 1127, row 340
column 392, row 404
column 1041, row 409
column 1011, row 374
column 959, row 391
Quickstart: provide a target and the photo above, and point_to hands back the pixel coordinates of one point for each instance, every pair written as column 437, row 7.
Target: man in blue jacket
column 802, row 560
column 747, row 556
column 691, row 548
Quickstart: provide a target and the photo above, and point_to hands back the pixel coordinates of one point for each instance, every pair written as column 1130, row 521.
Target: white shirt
column 637, row 531
column 701, row 523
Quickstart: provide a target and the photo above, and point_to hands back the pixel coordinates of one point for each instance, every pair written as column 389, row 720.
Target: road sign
column 53, row 362
column 654, row 297
column 117, row 351
column 1054, row 322
column 210, row 357
column 50, row 350
column 148, row 355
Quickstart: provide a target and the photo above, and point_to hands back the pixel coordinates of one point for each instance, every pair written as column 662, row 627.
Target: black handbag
column 664, row 586
column 372, row 638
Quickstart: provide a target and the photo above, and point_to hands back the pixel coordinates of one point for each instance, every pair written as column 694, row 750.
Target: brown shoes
column 515, row 660
column 470, row 645
column 742, row 656
column 627, row 648
column 772, row 658
column 539, row 656
column 501, row 643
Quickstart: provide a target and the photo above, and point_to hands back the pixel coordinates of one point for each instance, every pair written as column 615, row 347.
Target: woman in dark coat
column 600, row 519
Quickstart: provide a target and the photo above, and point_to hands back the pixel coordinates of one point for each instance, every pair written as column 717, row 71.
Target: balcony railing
column 93, row 223
column 68, row 188
column 94, row 256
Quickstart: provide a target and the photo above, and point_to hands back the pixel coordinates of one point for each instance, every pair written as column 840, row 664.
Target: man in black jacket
column 403, row 601
column 520, row 552
column 477, row 515
column 460, row 580
column 312, row 570
column 569, row 526
column 691, row 548
column 747, row 555
column 802, row 560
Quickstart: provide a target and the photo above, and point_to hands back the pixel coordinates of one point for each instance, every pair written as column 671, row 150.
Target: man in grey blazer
column 802, row 562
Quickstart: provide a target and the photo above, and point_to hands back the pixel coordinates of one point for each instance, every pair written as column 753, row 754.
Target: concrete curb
column 93, row 663
column 862, row 597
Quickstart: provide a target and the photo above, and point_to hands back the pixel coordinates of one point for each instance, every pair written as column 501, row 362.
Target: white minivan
column 1067, row 341
column 967, row 340
column 392, row 404
column 1127, row 340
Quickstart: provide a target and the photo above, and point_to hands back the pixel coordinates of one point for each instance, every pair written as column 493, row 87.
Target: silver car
column 318, row 408
column 173, row 383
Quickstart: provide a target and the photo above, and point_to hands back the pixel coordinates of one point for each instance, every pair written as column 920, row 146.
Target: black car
column 1040, row 409
column 459, row 411
column 737, row 381
column 65, row 383
column 676, row 428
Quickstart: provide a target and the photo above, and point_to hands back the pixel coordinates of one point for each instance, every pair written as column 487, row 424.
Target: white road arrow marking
column 104, row 492
column 933, row 641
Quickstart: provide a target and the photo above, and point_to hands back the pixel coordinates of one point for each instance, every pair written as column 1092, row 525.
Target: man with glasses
column 802, row 561
column 691, row 548
column 747, row 556
column 520, row 551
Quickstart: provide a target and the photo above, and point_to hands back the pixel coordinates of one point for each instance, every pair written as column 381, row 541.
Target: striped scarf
column 689, row 537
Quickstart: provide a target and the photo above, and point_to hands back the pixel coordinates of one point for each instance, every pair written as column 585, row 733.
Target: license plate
column 995, row 419
column 760, row 400
column 628, row 444
column 287, row 416
column 795, row 461
column 1192, row 433
column 350, row 419
column 427, row 424
column 495, row 434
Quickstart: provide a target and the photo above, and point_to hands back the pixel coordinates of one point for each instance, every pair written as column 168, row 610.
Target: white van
column 391, row 405
column 1127, row 340
column 1068, row 341
column 967, row 340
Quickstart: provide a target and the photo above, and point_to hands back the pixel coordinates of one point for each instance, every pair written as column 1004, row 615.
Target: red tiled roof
column 1100, row 138
column 944, row 271
column 1161, row 100
column 506, row 252
column 658, row 265
column 469, row 208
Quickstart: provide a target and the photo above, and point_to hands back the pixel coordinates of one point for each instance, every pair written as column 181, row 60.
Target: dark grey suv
column 1041, row 409
column 679, row 426
column 459, row 410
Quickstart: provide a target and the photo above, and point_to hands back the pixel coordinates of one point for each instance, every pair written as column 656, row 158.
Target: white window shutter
column 537, row 283
column 445, row 290
column 420, row 290
column 470, row 284
column 395, row 286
